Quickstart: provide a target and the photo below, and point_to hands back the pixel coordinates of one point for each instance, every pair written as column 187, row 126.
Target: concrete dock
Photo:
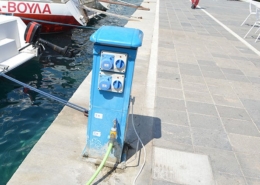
column 197, row 105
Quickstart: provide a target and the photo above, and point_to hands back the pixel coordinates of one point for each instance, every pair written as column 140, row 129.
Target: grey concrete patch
column 181, row 167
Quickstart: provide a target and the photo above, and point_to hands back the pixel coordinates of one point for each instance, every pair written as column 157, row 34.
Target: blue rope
column 64, row 102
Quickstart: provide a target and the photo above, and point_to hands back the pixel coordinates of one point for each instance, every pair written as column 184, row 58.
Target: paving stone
column 168, row 103
column 175, row 145
column 166, row 45
column 251, row 181
column 208, row 68
column 176, row 133
column 254, row 80
column 246, row 144
column 231, row 101
column 213, row 74
column 228, row 179
column 170, row 76
column 192, row 79
column 206, row 122
column 225, row 64
column 221, row 160
column 234, row 113
column 253, row 108
column 240, row 127
column 167, row 69
column 239, row 78
column 222, row 90
column 190, row 72
column 189, row 66
column 201, row 108
column 210, row 138
column 198, row 97
column 232, row 71
column 236, row 57
column 172, row 116
column 219, row 55
column 250, row 164
column 195, row 87
column 175, row 84
column 188, row 60
column 169, row 93
column 167, row 63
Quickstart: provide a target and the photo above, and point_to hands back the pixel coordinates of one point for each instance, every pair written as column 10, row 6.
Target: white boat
column 14, row 51
column 64, row 12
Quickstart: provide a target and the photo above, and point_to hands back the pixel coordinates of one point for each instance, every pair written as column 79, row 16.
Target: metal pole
column 66, row 103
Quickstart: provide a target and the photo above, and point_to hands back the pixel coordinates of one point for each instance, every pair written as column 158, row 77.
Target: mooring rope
column 76, row 107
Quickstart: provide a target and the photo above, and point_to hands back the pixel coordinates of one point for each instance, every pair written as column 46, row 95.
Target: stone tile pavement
column 208, row 89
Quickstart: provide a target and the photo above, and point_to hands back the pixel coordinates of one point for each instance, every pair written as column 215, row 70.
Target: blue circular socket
column 104, row 85
column 120, row 64
column 107, row 63
column 117, row 84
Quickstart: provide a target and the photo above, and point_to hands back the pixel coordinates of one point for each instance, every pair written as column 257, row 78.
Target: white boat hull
column 11, row 41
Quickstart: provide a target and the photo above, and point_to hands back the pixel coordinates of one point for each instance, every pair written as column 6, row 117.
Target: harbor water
column 24, row 116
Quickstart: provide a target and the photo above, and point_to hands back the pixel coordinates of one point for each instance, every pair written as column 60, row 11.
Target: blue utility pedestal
column 115, row 50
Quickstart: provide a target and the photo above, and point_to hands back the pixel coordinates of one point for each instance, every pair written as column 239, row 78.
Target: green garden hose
column 110, row 146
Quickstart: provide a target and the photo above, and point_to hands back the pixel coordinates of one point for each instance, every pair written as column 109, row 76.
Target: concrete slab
column 181, row 167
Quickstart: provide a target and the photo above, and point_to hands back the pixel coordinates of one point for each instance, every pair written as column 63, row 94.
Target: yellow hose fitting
column 113, row 132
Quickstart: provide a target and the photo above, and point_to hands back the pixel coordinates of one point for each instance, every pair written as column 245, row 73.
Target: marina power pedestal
column 115, row 50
